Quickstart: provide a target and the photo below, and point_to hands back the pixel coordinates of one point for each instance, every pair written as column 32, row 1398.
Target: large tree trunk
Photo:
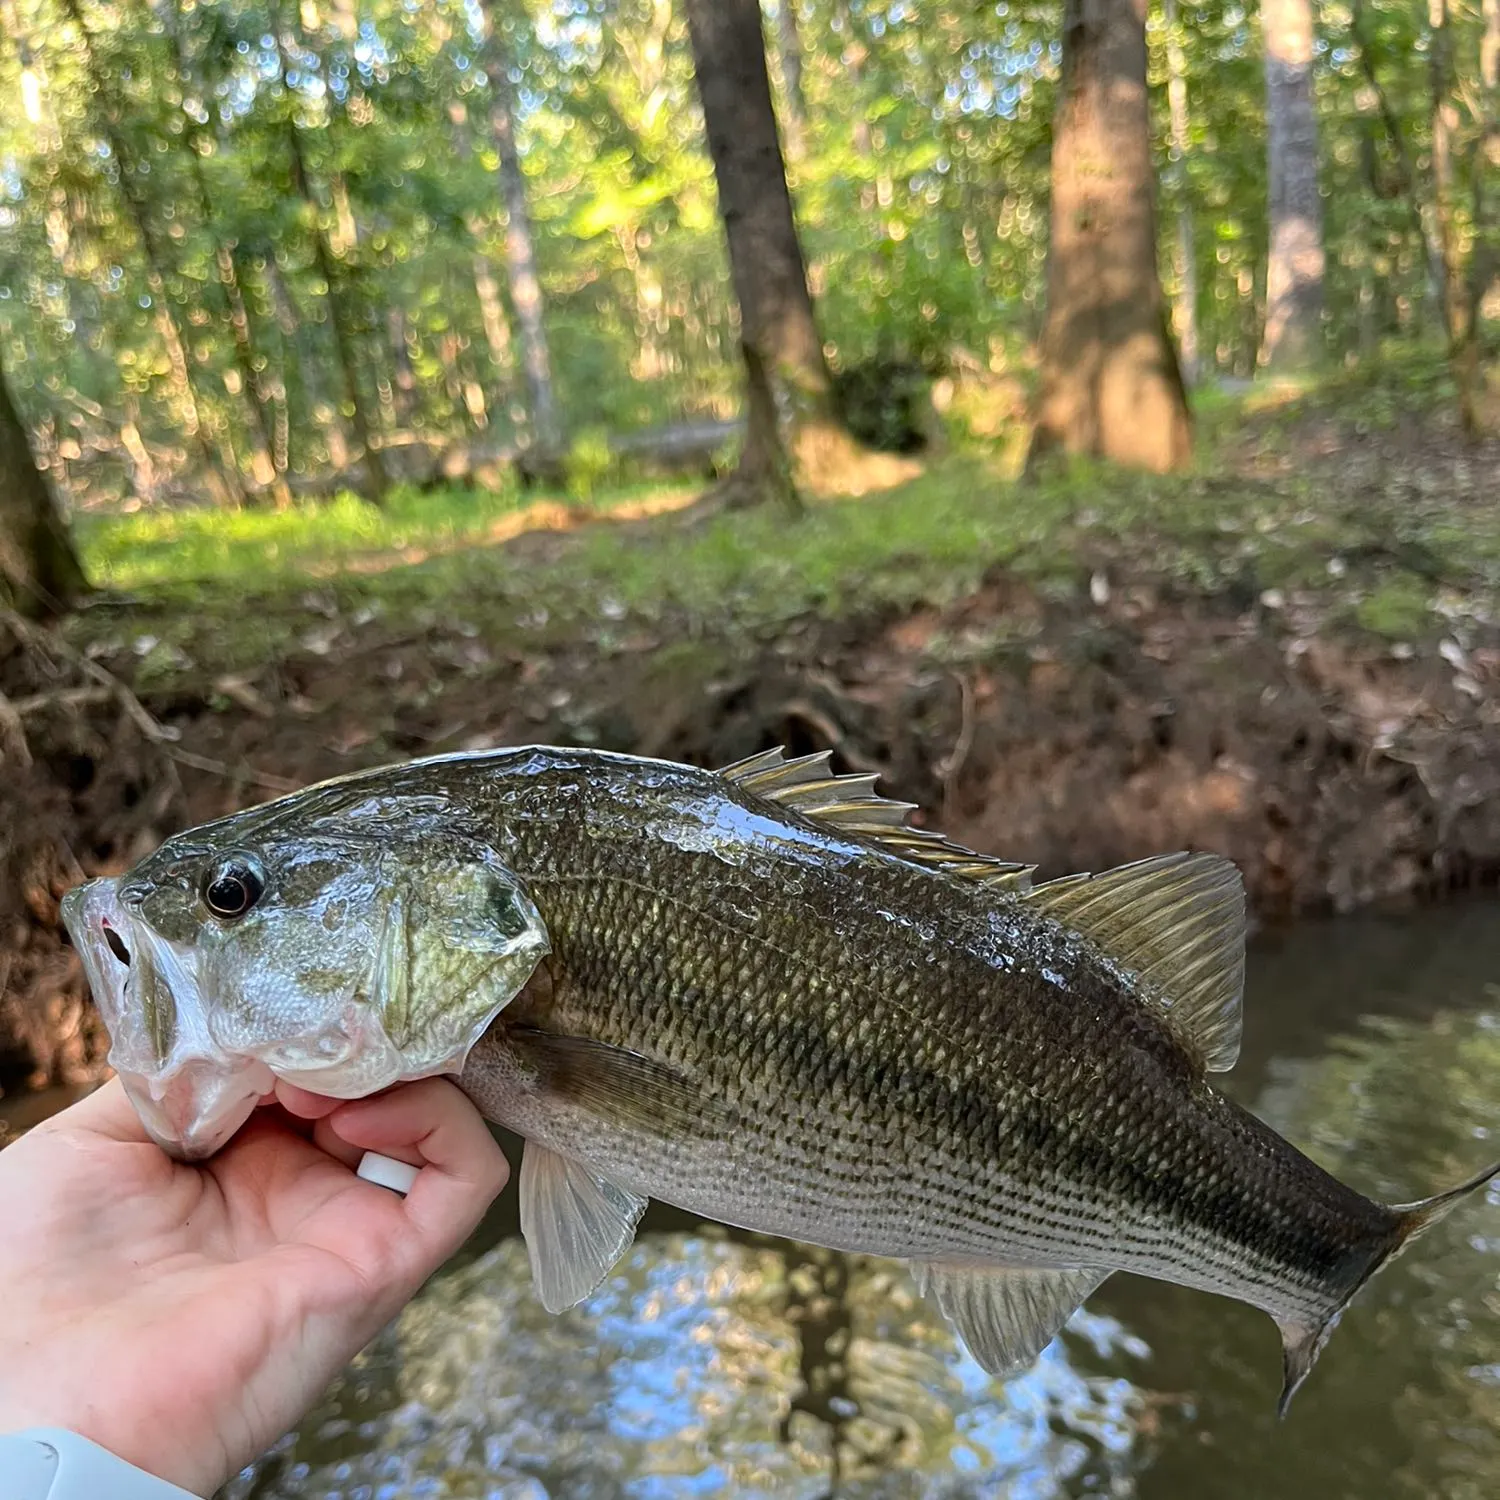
column 1185, row 254
column 1111, row 386
column 793, row 431
column 1293, row 337
column 520, row 248
column 39, row 570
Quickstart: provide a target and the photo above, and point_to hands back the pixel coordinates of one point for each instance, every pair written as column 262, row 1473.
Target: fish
column 759, row 994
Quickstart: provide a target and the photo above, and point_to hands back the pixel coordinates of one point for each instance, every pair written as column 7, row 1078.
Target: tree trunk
column 1484, row 260
column 789, row 50
column 486, row 288
column 520, row 248
column 1111, row 386
column 1458, row 316
column 1293, row 335
column 141, row 217
column 345, row 336
column 39, row 571
column 1185, row 258
column 255, row 391
column 793, row 431
column 1406, row 170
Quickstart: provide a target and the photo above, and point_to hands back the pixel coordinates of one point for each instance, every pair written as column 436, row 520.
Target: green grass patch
column 263, row 547
column 216, row 590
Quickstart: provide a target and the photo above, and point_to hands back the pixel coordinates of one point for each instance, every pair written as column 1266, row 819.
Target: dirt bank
column 1078, row 731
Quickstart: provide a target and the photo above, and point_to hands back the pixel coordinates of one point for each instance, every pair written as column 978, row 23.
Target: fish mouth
column 189, row 1097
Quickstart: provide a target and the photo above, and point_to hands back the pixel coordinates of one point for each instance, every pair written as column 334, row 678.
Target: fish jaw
column 189, row 1097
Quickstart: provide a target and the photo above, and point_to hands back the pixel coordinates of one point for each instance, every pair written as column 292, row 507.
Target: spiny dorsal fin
column 851, row 805
column 1177, row 921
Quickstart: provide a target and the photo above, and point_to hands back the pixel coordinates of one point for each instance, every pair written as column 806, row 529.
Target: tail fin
column 1302, row 1343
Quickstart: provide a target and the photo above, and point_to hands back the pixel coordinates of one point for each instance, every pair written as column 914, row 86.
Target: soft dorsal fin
column 1177, row 921
column 851, row 805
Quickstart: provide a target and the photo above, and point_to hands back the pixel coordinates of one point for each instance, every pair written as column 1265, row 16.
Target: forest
column 252, row 253
column 1082, row 416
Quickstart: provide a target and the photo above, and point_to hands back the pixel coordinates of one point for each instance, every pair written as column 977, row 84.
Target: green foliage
column 920, row 183
column 1399, row 609
column 590, row 459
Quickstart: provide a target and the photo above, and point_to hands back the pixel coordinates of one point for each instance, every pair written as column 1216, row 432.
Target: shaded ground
column 1291, row 657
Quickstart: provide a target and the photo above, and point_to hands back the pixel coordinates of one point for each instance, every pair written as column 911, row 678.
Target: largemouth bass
column 759, row 995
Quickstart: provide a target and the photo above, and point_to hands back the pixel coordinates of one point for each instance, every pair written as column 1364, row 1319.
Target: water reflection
column 712, row 1364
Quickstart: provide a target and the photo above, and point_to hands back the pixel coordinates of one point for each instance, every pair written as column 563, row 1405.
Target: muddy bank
column 1077, row 731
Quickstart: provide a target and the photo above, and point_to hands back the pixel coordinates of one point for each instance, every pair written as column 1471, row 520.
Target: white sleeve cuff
column 48, row 1463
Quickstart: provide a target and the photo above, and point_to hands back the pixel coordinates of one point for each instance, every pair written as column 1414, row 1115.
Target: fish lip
column 87, row 910
column 190, row 1105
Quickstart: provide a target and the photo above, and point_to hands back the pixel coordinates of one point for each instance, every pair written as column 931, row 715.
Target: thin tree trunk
column 1185, row 257
column 1405, row 168
column 1484, row 261
column 792, row 427
column 520, row 249
column 345, row 337
column 1111, row 386
column 1463, row 348
column 789, row 50
column 39, row 571
column 486, row 288
column 1293, row 335
column 228, row 485
column 853, row 63
column 254, row 388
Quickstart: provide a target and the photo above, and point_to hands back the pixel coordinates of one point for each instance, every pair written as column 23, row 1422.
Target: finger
column 303, row 1103
column 435, row 1126
column 328, row 1140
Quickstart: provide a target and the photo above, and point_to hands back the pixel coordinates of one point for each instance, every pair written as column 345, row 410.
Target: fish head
column 342, row 958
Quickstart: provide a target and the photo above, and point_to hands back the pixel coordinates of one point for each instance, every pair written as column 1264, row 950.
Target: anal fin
column 1006, row 1315
column 577, row 1223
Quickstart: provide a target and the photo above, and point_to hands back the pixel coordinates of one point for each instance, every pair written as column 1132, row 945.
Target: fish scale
column 752, row 999
column 767, row 1000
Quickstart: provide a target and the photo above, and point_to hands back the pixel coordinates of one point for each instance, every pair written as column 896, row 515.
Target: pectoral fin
column 1005, row 1315
column 622, row 1086
column 577, row 1224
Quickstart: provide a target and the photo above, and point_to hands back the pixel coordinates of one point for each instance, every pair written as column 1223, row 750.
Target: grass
column 230, row 589
column 258, row 547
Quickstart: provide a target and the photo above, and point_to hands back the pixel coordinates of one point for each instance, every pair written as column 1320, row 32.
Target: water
column 716, row 1363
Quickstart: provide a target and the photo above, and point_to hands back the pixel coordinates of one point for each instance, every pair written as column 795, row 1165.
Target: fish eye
column 233, row 885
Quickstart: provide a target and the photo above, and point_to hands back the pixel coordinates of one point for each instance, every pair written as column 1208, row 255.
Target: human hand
column 184, row 1317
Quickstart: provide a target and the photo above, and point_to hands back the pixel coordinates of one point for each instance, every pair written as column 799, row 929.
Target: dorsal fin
column 1177, row 921
column 851, row 805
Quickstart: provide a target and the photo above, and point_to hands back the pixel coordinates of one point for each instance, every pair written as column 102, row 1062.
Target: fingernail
column 387, row 1172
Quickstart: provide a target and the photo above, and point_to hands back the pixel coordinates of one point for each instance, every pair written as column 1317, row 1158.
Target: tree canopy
column 240, row 240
